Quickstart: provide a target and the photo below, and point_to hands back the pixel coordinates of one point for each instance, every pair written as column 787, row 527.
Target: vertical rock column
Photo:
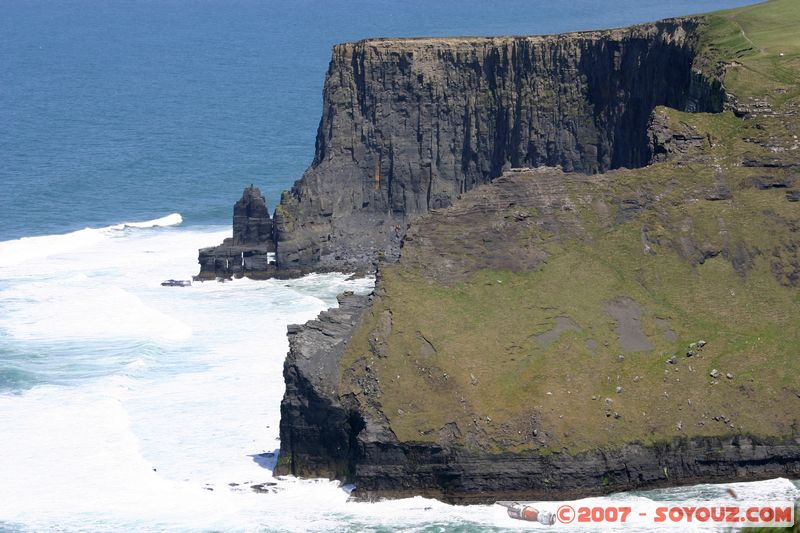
column 248, row 252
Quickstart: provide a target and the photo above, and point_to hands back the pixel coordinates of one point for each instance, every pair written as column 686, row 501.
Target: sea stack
column 249, row 252
column 252, row 224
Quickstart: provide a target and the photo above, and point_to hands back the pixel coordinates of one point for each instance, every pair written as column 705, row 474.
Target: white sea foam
column 155, row 403
column 170, row 220
column 21, row 251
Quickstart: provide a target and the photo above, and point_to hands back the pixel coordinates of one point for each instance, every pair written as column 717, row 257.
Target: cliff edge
column 408, row 125
column 587, row 326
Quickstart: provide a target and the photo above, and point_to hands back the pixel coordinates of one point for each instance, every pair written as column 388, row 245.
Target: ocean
column 127, row 131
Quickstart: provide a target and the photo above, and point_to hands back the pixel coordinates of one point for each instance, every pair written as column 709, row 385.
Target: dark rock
column 767, row 162
column 740, row 257
column 793, row 195
column 176, row 283
column 227, row 261
column 265, row 488
column 251, row 250
column 664, row 141
column 317, row 427
column 396, row 140
column 251, row 221
column 772, row 182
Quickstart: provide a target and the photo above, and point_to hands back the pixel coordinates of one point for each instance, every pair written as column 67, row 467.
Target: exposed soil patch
column 563, row 323
column 664, row 325
column 627, row 314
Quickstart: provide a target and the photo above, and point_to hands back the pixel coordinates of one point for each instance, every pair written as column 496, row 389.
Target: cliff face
column 554, row 334
column 317, row 429
column 409, row 125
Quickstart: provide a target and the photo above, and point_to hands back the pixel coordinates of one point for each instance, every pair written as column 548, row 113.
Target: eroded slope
column 555, row 334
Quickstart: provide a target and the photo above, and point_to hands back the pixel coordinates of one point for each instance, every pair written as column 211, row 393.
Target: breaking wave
column 128, row 406
column 25, row 249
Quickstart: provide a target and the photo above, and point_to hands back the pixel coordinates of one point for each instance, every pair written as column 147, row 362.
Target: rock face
column 251, row 221
column 333, row 415
column 250, row 249
column 409, row 125
column 315, row 428
column 325, row 434
column 461, row 476
column 666, row 141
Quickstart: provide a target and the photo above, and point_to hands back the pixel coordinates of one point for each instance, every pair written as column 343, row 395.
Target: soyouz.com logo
column 655, row 514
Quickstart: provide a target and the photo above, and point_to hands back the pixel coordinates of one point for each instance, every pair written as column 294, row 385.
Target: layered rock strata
column 334, row 414
column 409, row 125
column 250, row 252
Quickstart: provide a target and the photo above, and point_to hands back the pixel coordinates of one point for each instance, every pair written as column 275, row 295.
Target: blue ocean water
column 128, row 406
column 117, row 110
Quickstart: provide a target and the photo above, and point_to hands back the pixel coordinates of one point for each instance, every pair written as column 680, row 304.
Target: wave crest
column 25, row 249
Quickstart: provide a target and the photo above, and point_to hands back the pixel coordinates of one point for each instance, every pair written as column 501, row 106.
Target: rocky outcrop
column 251, row 221
column 332, row 415
column 503, row 226
column 409, row 125
column 251, row 249
column 666, row 141
column 324, row 433
column 317, row 430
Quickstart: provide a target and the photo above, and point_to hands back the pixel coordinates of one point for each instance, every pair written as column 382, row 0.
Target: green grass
column 489, row 375
column 485, row 328
column 764, row 40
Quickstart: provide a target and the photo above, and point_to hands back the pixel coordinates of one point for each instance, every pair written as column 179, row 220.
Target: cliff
column 326, row 431
column 409, row 125
column 545, row 333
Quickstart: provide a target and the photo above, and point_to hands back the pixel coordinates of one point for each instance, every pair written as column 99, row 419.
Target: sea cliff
column 622, row 316
column 587, row 258
column 408, row 125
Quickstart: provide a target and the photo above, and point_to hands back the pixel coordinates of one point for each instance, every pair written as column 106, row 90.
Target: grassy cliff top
column 552, row 311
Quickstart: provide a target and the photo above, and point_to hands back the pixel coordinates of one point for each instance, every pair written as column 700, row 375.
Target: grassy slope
column 487, row 371
column 756, row 36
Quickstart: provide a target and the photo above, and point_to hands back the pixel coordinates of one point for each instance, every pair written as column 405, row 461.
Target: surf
column 22, row 250
column 134, row 406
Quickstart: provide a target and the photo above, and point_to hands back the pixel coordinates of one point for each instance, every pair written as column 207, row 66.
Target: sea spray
column 155, row 408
